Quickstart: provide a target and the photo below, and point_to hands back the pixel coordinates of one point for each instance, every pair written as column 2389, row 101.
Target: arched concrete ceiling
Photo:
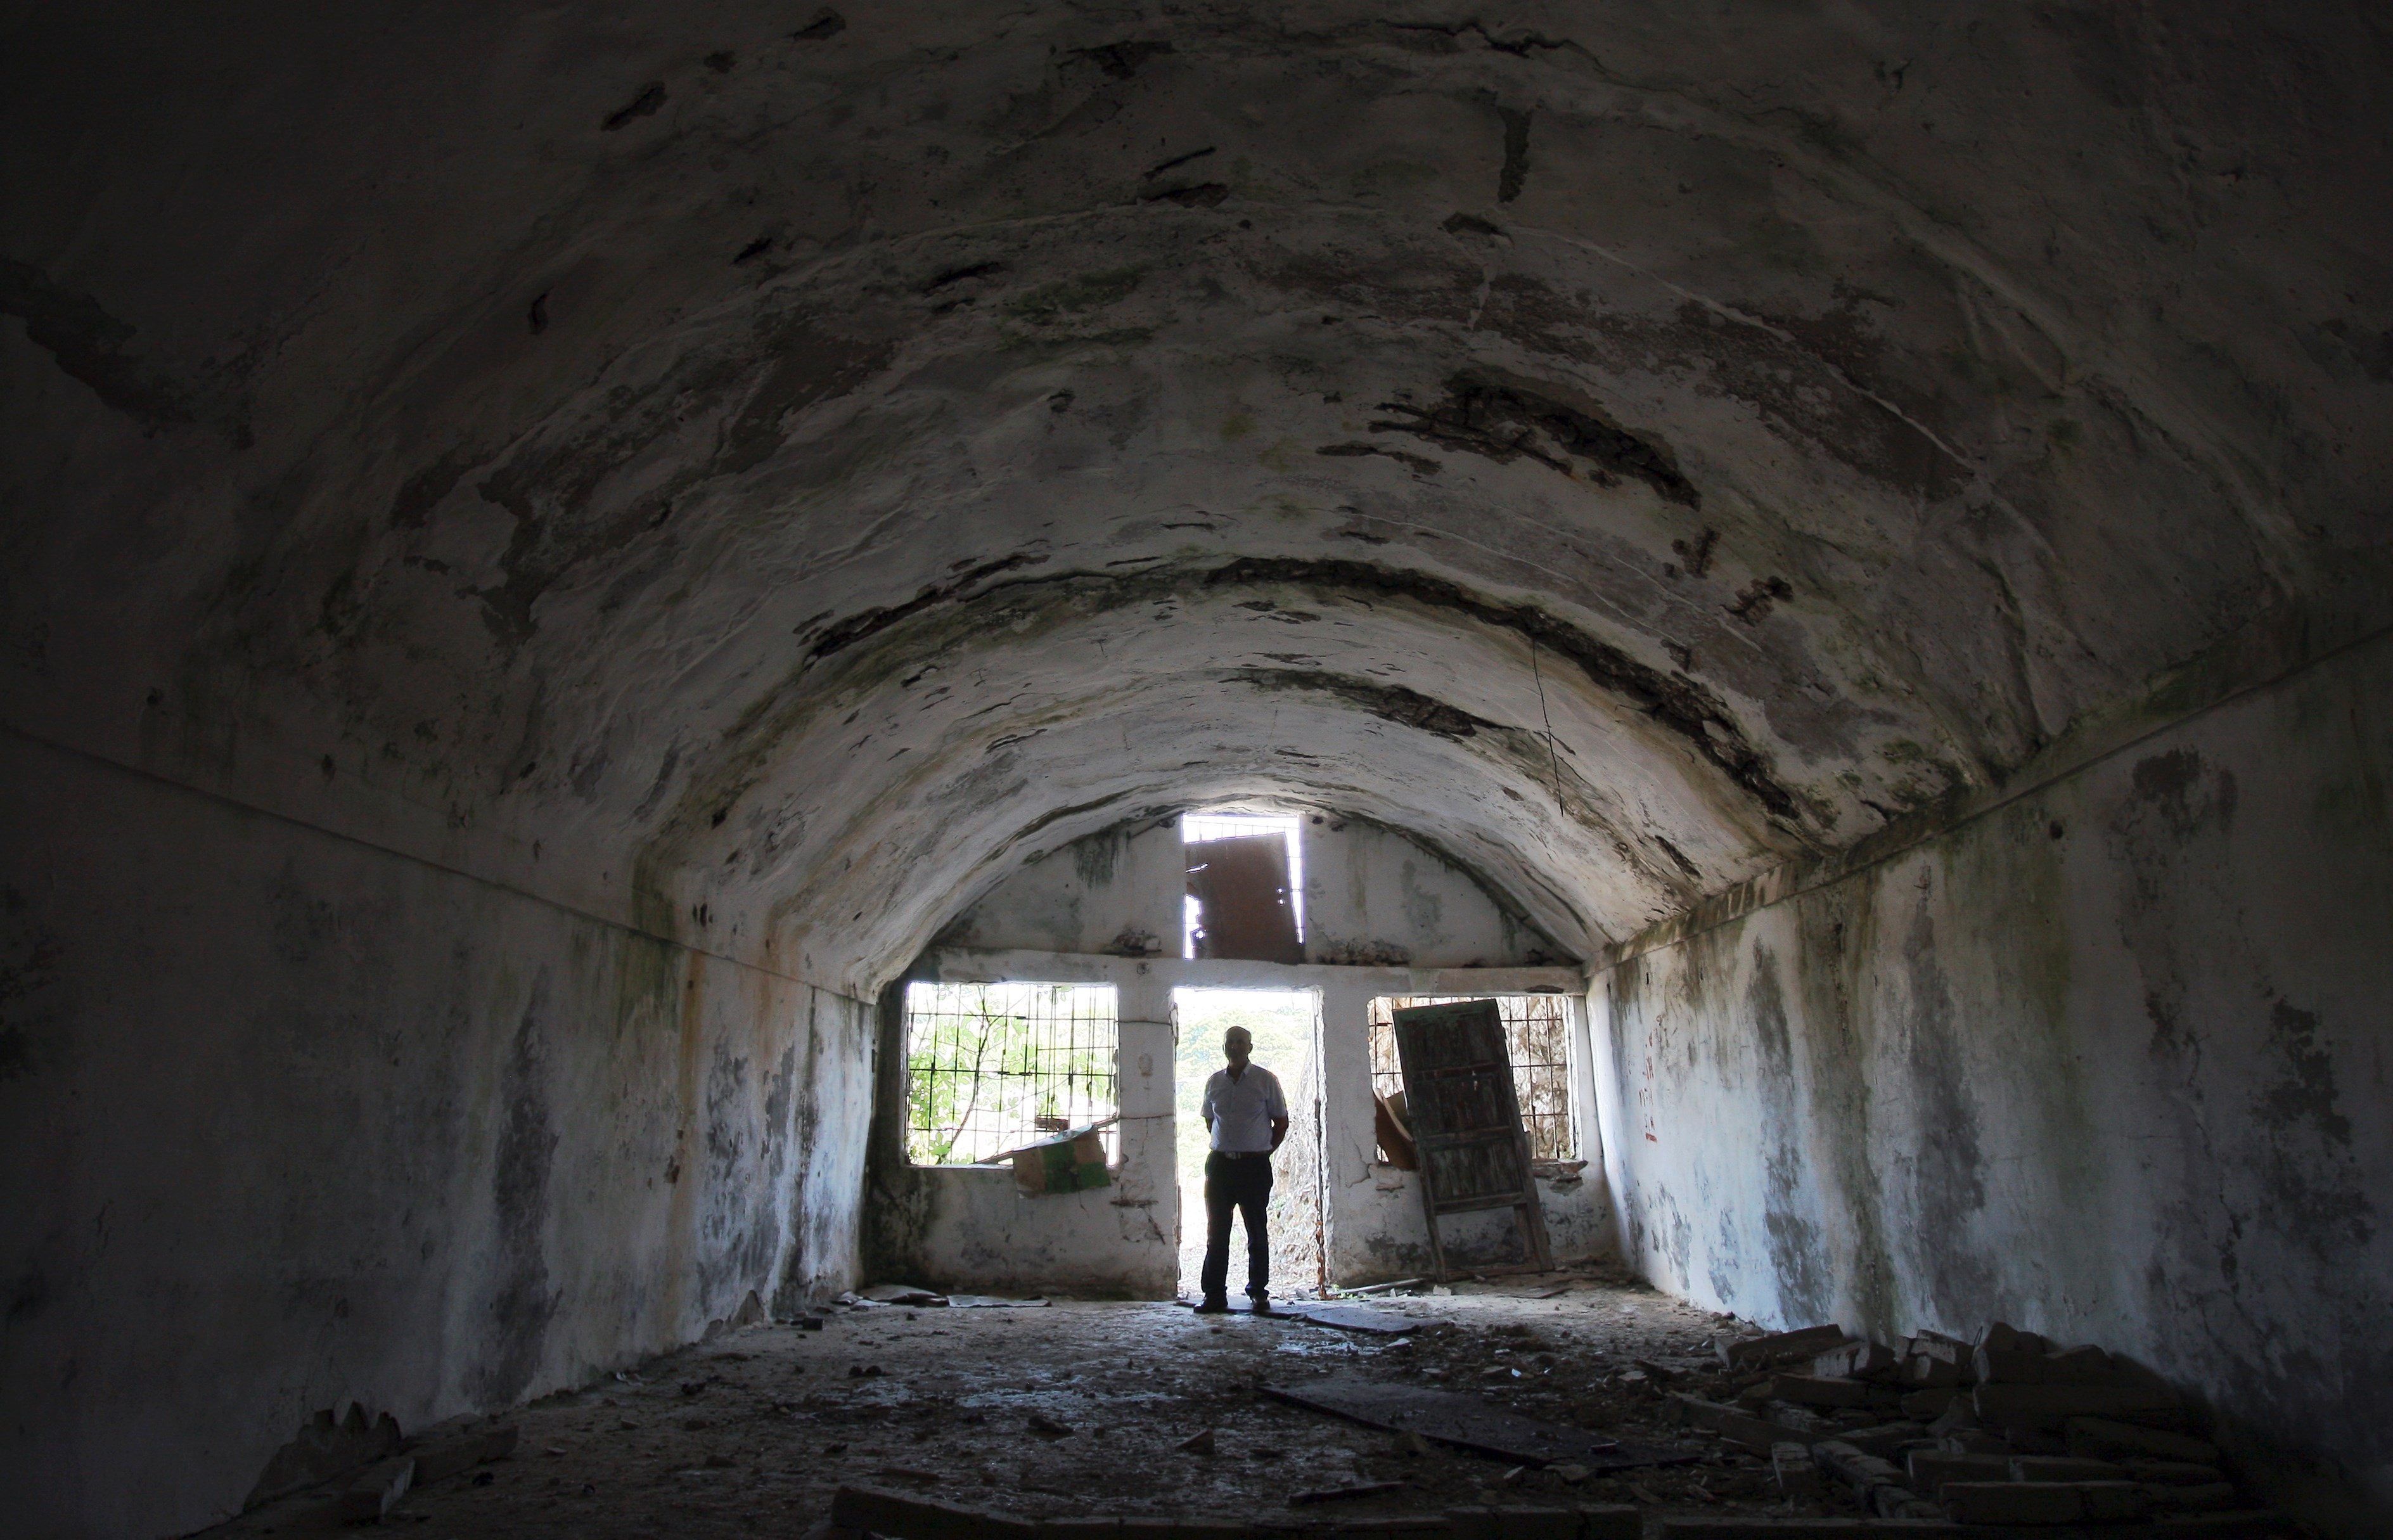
column 815, row 461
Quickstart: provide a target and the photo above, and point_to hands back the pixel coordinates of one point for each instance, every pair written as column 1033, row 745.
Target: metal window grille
column 1537, row 1031
column 990, row 1067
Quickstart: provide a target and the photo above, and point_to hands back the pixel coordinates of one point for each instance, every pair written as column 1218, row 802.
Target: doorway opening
column 1285, row 1025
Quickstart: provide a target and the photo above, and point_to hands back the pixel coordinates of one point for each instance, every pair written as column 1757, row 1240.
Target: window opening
column 1199, row 829
column 991, row 1067
column 1537, row 1034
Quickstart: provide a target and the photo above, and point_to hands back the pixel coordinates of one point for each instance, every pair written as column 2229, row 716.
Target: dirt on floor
column 1079, row 1408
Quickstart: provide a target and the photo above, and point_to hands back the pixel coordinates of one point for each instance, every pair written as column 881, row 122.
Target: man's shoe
column 1214, row 1304
column 1262, row 1303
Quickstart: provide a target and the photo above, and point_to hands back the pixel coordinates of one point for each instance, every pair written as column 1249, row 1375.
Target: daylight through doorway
column 1286, row 1024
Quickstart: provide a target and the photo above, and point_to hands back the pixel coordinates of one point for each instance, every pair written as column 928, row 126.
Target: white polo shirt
column 1242, row 1110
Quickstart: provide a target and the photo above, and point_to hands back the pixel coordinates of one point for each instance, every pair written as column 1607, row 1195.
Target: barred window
column 1537, row 1031
column 990, row 1067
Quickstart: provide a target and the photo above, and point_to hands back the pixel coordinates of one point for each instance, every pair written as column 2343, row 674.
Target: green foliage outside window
column 992, row 1067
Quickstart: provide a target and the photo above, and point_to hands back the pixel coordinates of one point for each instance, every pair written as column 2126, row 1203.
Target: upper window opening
column 993, row 1067
column 1537, row 1032
column 1245, row 895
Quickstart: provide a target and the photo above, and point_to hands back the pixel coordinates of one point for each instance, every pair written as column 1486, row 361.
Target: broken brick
column 1786, row 1347
column 1798, row 1476
column 2064, row 1468
column 2102, row 1437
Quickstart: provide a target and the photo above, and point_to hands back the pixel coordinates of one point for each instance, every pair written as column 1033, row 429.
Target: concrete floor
column 754, row 1430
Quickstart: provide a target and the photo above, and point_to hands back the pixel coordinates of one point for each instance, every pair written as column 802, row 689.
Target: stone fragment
column 324, row 1448
column 1933, row 1358
column 1897, row 1502
column 1976, row 1440
column 1926, row 1372
column 2064, row 1468
column 2009, row 1406
column 1887, row 1441
column 1929, row 1470
column 2102, row 1437
column 2209, row 1497
column 1855, row 1360
column 1814, row 1390
column 2044, row 1502
column 1798, row 1476
column 1857, row 1470
column 2173, row 1472
column 1786, row 1347
column 375, row 1491
column 1928, row 1405
column 1202, row 1443
column 1347, row 1493
column 2011, row 1503
column 2003, row 1337
column 1757, row 1434
column 2111, row 1502
column 2009, row 1366
column 2086, row 1365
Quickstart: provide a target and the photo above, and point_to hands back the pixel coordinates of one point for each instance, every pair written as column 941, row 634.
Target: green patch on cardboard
column 1071, row 1162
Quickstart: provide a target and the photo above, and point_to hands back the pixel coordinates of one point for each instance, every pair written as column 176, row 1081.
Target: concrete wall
column 962, row 1228
column 1372, row 896
column 290, row 1121
column 2109, row 1061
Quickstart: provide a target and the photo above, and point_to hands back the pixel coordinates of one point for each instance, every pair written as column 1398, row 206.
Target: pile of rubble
column 2008, row 1429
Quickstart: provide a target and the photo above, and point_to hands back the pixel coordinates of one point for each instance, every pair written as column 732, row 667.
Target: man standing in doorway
column 1247, row 1118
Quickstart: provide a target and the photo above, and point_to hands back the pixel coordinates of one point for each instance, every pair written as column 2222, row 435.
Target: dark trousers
column 1244, row 1184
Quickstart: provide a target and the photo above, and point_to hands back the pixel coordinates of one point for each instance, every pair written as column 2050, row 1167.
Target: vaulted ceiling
column 771, row 469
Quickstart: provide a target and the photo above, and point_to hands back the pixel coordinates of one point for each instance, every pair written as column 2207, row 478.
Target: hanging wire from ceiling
column 1552, row 758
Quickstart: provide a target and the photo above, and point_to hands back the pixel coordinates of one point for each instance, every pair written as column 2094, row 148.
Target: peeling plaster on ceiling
column 817, row 471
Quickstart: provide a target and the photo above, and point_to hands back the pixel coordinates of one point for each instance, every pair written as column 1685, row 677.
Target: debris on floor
column 1164, row 1422
column 1318, row 1312
column 2010, row 1429
column 859, row 1512
column 1470, row 1422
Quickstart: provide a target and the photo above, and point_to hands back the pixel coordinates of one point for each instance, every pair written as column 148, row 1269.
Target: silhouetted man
column 1247, row 1118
